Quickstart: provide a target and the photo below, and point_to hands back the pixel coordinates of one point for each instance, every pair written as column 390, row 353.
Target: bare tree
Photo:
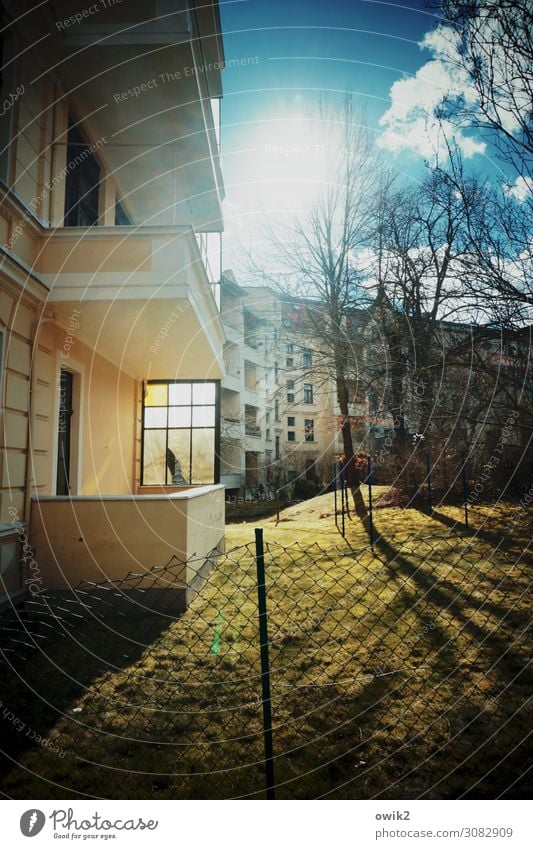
column 492, row 46
column 320, row 254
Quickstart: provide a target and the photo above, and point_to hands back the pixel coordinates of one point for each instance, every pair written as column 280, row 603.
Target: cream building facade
column 111, row 338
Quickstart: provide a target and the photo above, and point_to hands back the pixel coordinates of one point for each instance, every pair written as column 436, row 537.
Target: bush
column 305, row 489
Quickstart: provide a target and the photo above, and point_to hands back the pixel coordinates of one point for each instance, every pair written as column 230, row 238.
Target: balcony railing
column 252, row 430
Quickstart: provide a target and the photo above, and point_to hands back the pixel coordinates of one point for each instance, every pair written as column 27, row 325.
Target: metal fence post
column 465, row 490
column 428, row 478
column 265, row 664
column 369, row 481
column 343, row 498
column 335, row 491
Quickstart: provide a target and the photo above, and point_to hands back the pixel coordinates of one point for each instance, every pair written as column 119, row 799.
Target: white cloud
column 521, row 189
column 412, row 121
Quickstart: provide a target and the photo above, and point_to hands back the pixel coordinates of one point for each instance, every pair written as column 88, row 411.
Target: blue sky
column 293, row 52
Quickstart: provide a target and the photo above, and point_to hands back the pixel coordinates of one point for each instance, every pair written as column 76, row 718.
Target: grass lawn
column 397, row 673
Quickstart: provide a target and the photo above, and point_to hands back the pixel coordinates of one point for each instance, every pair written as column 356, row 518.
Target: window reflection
column 179, row 433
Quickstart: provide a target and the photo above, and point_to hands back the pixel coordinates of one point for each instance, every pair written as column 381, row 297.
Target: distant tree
column 320, row 254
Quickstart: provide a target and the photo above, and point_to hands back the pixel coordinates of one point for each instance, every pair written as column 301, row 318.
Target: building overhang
column 140, row 299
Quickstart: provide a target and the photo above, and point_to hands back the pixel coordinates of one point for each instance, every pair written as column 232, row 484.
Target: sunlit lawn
column 396, row 673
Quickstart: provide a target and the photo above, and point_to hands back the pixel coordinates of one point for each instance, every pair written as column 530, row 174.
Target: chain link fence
column 394, row 672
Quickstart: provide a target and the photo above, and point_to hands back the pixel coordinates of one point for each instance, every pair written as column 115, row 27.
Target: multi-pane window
column 308, row 393
column 290, row 391
column 291, row 436
column 180, row 433
column 290, row 421
column 309, row 430
column 307, row 359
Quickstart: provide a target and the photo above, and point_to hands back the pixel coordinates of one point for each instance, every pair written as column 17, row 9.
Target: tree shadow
column 54, row 650
column 496, row 539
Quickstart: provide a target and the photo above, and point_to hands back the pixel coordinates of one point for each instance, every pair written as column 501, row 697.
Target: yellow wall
column 105, row 429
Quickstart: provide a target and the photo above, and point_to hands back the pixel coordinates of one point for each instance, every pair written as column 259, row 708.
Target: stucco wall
column 103, row 427
column 92, row 539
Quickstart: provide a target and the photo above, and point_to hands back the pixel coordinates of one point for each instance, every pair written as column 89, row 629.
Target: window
column 180, row 432
column 83, row 179
column 290, row 421
column 289, row 362
column 122, row 218
column 267, row 416
column 308, row 393
column 276, row 372
column 290, row 397
column 276, row 454
column 251, row 427
column 291, row 436
column 307, row 359
column 291, row 475
column 290, row 385
column 276, row 410
column 267, row 434
column 309, row 430
column 290, row 348
column 8, row 97
column 268, row 466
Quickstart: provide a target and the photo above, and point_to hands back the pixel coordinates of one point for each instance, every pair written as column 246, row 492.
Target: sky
column 282, row 57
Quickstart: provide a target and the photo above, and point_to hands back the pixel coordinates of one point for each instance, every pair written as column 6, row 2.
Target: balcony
column 98, row 538
column 253, row 430
column 231, row 427
column 232, row 380
column 164, row 63
column 144, row 298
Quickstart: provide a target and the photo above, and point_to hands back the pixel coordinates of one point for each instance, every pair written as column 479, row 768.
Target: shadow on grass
column 54, row 649
column 476, row 643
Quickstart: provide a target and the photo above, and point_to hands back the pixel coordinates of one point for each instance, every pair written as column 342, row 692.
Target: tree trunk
column 346, row 428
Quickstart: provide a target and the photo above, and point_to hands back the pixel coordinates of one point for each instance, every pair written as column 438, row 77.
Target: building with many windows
column 112, row 344
column 279, row 412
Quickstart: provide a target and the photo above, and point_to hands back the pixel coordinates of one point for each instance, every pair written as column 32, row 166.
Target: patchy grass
column 397, row 673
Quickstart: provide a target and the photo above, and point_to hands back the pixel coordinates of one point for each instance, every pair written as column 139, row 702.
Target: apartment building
column 111, row 339
column 280, row 420
column 280, row 417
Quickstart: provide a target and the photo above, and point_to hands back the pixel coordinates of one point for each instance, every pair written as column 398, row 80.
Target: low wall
column 98, row 538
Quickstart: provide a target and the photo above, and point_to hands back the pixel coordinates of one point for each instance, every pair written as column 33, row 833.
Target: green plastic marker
column 218, row 630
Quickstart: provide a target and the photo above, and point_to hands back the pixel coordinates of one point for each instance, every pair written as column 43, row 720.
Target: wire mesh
column 397, row 672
